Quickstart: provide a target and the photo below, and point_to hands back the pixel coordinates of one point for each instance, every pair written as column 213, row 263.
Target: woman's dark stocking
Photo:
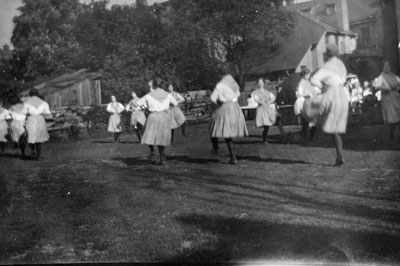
column 337, row 139
column 161, row 151
column 231, row 148
column 313, row 130
column 265, row 134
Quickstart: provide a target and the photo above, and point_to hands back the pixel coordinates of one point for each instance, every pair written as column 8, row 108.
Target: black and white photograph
column 244, row 132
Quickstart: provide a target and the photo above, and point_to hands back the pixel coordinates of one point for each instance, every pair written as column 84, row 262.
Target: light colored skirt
column 158, row 129
column 3, row 130
column 138, row 117
column 17, row 130
column 390, row 107
column 266, row 115
column 228, row 122
column 114, row 123
column 298, row 105
column 330, row 110
column 36, row 129
column 177, row 117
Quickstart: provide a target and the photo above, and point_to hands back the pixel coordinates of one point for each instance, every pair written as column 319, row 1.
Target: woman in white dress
column 17, row 126
column 138, row 118
column 331, row 107
column 305, row 90
column 114, row 122
column 177, row 117
column 227, row 121
column 36, row 109
column 158, row 124
column 266, row 111
column 3, row 127
column 389, row 84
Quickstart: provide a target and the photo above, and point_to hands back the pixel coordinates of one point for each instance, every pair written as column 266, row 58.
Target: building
column 80, row 89
column 306, row 45
column 373, row 21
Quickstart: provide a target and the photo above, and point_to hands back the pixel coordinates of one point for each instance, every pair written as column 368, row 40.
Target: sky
column 8, row 9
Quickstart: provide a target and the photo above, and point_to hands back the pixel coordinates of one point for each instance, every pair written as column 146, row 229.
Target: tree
column 43, row 38
column 237, row 29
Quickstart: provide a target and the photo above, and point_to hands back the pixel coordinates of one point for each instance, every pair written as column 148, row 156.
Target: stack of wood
column 68, row 121
column 198, row 109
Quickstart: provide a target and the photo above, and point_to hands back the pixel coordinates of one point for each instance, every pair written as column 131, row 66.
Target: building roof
column 308, row 31
column 64, row 81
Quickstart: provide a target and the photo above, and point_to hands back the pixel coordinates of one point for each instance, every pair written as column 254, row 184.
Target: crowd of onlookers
column 362, row 96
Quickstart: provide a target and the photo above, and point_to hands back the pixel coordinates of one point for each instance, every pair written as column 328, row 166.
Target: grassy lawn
column 95, row 201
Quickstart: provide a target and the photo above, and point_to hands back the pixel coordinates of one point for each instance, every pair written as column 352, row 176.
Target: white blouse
column 156, row 106
column 4, row 114
column 42, row 109
column 224, row 94
column 115, row 108
column 17, row 116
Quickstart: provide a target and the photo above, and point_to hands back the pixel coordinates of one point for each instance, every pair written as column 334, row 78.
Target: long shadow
column 5, row 198
column 236, row 188
column 143, row 161
column 221, row 239
column 271, row 160
column 11, row 155
column 134, row 161
column 104, row 141
column 355, row 139
column 129, row 142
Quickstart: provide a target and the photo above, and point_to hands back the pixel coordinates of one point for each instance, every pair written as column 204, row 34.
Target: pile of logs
column 68, row 121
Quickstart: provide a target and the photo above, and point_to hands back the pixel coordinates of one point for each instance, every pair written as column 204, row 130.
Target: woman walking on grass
column 3, row 127
column 138, row 118
column 36, row 109
column 114, row 122
column 176, row 115
column 158, row 124
column 389, row 84
column 17, row 126
column 331, row 107
column 305, row 90
column 227, row 121
column 266, row 113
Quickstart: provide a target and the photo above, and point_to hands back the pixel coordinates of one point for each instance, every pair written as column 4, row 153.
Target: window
column 330, row 9
column 365, row 36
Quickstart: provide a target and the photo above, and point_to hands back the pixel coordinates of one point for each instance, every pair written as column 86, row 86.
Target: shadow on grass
column 369, row 138
column 271, row 160
column 222, row 239
column 104, row 141
column 10, row 155
column 145, row 161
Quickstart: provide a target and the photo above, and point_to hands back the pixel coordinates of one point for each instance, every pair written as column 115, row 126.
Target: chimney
column 343, row 16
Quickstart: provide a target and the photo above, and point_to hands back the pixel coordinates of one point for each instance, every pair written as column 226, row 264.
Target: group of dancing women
column 326, row 107
column 24, row 123
column 321, row 101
